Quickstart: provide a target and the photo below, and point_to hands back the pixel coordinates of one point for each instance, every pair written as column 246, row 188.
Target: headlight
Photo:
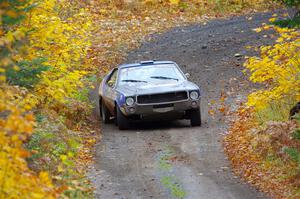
column 194, row 95
column 129, row 101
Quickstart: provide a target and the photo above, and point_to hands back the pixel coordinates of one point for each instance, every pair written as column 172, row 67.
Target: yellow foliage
column 55, row 30
column 278, row 70
column 61, row 34
column 16, row 125
column 174, row 2
column 16, row 179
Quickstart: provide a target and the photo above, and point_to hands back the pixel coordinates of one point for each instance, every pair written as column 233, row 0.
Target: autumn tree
column 16, row 122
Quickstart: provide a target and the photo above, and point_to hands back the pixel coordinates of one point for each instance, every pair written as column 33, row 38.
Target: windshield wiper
column 163, row 77
column 133, row 80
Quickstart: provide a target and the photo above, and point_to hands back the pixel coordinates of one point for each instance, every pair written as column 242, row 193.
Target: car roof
column 145, row 63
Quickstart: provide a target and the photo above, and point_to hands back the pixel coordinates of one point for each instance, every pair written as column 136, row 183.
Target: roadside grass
column 264, row 149
column 62, row 143
column 164, row 160
column 290, row 23
column 168, row 180
column 275, row 111
column 55, row 149
column 171, row 183
column 265, row 156
column 293, row 22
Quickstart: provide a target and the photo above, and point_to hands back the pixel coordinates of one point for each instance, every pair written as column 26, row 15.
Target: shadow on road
column 148, row 126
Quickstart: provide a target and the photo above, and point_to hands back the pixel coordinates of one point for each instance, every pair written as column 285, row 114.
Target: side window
column 112, row 80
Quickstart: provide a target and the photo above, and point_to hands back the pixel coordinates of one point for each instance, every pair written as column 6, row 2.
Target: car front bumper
column 172, row 110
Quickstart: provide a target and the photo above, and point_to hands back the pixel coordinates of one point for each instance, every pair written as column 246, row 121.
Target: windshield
column 150, row 74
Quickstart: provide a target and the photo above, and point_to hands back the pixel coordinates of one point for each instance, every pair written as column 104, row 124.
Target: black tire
column 121, row 120
column 104, row 113
column 195, row 117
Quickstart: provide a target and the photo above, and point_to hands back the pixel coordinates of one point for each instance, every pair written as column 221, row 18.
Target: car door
column 109, row 90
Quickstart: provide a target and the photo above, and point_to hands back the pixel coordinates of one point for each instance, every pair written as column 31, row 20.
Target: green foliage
column 12, row 12
column 289, row 23
column 79, row 193
column 291, row 3
column 297, row 117
column 54, row 148
column 39, row 118
column 82, row 95
column 27, row 74
column 293, row 153
column 11, row 20
column 296, row 134
column 53, row 142
column 183, row 5
column 16, row 14
column 164, row 160
column 293, row 22
column 172, row 184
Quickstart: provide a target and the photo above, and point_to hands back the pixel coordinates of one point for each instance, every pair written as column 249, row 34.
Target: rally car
column 149, row 90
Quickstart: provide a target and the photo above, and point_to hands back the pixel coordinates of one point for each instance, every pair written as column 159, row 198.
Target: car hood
column 131, row 89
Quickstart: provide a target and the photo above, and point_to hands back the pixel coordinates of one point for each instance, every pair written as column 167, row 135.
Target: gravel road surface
column 174, row 160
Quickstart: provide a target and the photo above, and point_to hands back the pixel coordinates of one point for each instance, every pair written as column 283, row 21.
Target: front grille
column 163, row 105
column 162, row 97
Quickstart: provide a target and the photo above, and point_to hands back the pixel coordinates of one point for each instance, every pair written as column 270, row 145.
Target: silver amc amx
column 149, row 90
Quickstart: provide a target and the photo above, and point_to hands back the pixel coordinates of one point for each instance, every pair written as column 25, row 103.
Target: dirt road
column 173, row 160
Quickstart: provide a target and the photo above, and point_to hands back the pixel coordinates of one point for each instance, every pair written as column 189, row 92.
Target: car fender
column 120, row 99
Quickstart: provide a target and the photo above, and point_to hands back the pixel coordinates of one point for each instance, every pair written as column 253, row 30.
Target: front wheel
column 122, row 121
column 195, row 117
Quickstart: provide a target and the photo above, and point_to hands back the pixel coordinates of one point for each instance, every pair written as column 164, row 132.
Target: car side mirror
column 110, row 83
column 188, row 75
